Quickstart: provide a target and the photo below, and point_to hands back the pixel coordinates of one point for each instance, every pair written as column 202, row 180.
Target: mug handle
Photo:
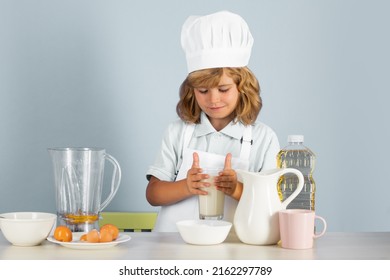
column 299, row 187
column 323, row 230
column 116, row 179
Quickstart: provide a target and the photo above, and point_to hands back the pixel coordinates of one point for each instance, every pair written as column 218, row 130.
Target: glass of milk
column 211, row 206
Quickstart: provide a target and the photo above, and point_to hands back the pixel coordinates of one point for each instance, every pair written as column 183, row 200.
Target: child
column 218, row 106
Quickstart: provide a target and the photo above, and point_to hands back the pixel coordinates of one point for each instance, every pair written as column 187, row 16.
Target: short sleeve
column 166, row 162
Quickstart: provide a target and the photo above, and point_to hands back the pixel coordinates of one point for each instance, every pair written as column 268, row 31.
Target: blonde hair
column 249, row 103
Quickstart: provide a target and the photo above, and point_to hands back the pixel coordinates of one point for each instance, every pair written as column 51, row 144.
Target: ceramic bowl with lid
column 204, row 232
column 26, row 228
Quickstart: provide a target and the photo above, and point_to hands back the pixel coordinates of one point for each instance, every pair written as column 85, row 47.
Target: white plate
column 82, row 245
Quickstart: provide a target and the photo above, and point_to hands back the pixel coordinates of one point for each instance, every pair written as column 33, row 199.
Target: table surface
column 170, row 246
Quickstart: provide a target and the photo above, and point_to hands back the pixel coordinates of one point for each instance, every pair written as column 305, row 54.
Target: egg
column 105, row 236
column 93, row 236
column 112, row 229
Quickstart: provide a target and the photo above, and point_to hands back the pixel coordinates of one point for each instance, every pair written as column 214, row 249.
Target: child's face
column 219, row 102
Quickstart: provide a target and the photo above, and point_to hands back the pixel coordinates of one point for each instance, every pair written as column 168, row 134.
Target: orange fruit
column 93, row 236
column 112, row 229
column 63, row 234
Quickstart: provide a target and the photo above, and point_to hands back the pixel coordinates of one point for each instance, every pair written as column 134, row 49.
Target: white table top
column 170, row 246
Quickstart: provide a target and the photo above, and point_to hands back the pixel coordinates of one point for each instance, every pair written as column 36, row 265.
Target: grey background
column 107, row 73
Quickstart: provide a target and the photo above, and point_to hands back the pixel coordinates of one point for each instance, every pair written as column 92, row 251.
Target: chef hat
column 217, row 40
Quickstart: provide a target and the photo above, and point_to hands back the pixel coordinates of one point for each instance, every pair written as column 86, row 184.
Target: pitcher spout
column 248, row 175
column 243, row 175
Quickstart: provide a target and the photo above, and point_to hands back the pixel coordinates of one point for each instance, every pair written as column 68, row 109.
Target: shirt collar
column 234, row 130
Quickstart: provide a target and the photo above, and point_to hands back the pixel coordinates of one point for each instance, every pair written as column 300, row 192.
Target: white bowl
column 26, row 228
column 204, row 232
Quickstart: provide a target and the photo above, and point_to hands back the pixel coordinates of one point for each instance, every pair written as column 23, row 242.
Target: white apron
column 188, row 209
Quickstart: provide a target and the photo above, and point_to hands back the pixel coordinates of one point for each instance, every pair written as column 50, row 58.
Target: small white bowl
column 204, row 232
column 26, row 228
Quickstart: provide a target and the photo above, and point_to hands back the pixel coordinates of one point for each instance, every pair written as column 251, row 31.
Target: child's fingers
column 195, row 160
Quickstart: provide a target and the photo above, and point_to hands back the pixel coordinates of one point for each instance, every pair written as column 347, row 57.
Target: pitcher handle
column 299, row 187
column 116, row 179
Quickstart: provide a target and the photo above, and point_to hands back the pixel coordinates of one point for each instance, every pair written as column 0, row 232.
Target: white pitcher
column 256, row 220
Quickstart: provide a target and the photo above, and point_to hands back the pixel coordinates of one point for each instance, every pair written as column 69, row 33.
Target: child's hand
column 227, row 179
column 194, row 177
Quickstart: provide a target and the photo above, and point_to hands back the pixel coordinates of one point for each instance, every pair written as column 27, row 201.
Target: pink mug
column 297, row 228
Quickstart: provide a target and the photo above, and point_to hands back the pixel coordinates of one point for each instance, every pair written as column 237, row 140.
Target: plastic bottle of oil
column 296, row 155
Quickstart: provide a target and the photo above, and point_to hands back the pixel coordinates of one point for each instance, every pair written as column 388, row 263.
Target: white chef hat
column 217, row 40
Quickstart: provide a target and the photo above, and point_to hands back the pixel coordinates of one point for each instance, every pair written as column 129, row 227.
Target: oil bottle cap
column 295, row 138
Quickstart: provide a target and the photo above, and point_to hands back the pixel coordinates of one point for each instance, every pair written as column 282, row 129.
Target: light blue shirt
column 205, row 138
